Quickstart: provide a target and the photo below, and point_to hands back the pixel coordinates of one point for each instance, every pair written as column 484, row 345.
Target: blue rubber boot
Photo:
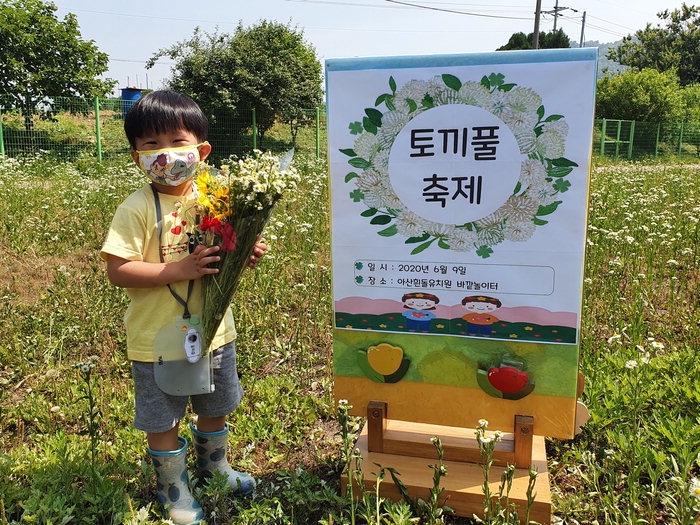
column 211, row 457
column 171, row 480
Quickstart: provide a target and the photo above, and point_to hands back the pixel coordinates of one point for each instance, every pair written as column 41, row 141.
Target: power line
column 419, row 6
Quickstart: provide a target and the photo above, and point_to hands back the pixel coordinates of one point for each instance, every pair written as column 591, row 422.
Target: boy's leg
column 163, row 440
column 210, row 435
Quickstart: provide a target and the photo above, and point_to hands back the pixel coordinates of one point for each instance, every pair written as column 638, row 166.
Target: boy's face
column 417, row 303
column 480, row 308
column 168, row 140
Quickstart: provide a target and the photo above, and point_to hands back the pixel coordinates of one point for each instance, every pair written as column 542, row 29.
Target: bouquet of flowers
column 234, row 204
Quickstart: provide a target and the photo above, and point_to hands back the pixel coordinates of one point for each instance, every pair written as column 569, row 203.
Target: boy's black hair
column 162, row 112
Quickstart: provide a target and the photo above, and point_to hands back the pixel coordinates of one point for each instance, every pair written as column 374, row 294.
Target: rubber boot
column 211, row 457
column 171, row 481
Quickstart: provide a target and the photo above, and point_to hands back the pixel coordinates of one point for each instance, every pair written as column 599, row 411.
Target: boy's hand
column 195, row 265
column 258, row 251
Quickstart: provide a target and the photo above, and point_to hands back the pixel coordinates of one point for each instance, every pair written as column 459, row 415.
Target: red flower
column 228, row 236
column 209, row 222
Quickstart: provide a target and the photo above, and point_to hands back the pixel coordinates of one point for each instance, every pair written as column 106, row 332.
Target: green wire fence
column 72, row 127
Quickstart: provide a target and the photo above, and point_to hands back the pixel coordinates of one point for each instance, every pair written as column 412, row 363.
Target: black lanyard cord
column 186, row 313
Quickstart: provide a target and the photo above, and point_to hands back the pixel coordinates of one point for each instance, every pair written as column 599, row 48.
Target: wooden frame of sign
column 407, row 448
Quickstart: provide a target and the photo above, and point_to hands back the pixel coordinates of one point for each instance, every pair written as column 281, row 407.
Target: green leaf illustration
column 427, row 101
column 550, row 208
column 359, row 162
column 350, row 176
column 553, row 118
column 484, row 252
column 412, row 106
column 506, row 87
column 349, row 152
column 381, row 98
column 442, row 244
column 381, row 219
column 375, row 116
column 369, row 212
column 562, row 185
column 389, row 103
column 539, row 222
column 518, row 187
column 540, row 112
column 452, row 81
column 496, row 79
column 412, row 240
column 388, row 232
column 392, row 84
column 485, row 82
column 422, row 247
column 355, row 128
column 369, row 125
column 356, row 195
column 559, row 172
column 563, row 162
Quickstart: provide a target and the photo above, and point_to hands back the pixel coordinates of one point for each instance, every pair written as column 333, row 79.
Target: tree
column 551, row 40
column 673, row 46
column 42, row 57
column 267, row 67
column 647, row 95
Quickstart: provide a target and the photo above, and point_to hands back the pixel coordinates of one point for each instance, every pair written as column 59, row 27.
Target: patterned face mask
column 170, row 167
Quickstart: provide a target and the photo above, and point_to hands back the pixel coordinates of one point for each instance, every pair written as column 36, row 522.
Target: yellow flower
column 528, row 328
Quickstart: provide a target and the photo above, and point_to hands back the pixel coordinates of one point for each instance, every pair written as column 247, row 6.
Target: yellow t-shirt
column 133, row 235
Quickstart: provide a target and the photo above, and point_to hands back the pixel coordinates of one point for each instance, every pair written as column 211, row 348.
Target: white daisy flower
column 519, row 208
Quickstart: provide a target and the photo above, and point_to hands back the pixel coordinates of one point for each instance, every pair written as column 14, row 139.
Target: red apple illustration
column 507, row 379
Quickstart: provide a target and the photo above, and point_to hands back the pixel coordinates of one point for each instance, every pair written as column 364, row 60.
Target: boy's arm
column 139, row 274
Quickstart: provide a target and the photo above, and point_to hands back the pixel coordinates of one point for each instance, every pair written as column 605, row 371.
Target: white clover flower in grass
column 631, row 364
column 519, row 231
column 614, row 338
column 695, row 488
column 657, row 346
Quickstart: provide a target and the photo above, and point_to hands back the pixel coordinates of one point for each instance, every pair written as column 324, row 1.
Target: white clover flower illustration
column 539, row 139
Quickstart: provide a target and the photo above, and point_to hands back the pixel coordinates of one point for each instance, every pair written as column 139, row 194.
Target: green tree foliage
column 268, row 67
column 43, row 57
column 647, row 95
column 691, row 102
column 551, row 40
column 668, row 47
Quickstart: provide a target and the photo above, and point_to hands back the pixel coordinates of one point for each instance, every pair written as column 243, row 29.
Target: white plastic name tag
column 193, row 345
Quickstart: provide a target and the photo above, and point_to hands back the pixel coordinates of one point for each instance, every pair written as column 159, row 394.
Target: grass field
column 68, row 453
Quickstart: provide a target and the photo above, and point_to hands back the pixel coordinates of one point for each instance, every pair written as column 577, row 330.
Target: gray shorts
column 157, row 411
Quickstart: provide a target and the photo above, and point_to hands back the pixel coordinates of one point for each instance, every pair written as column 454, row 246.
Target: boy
column 479, row 317
column 148, row 252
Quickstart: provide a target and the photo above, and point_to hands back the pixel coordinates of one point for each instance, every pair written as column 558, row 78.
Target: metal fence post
column 680, row 141
column 602, row 138
column 98, row 131
column 658, row 134
column 631, row 141
column 2, row 139
column 255, row 131
column 318, row 133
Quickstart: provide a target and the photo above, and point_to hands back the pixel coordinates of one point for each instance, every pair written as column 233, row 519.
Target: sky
column 132, row 31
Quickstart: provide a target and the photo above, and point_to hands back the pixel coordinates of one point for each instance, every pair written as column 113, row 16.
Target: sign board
column 459, row 193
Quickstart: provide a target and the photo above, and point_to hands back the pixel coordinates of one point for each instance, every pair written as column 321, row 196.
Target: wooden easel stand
column 409, row 439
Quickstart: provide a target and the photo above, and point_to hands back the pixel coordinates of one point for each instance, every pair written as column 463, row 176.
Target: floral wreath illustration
column 542, row 178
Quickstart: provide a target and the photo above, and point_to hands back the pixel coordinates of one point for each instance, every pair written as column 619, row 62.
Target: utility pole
column 536, row 34
column 556, row 14
column 583, row 25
